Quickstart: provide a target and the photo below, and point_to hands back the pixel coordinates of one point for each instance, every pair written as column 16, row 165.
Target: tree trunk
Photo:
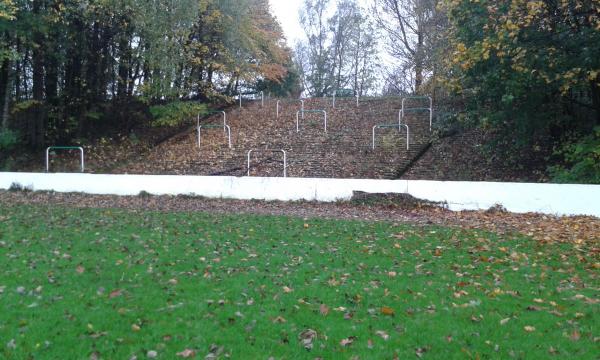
column 595, row 91
column 17, row 78
column 419, row 63
column 6, row 94
column 38, row 130
column 123, row 71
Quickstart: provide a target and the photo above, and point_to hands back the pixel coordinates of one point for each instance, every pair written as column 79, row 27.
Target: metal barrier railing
column 344, row 91
column 383, row 126
column 310, row 111
column 64, row 148
column 429, row 109
column 213, row 112
column 226, row 127
column 284, row 159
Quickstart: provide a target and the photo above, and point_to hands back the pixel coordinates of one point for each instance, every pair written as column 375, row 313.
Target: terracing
column 344, row 151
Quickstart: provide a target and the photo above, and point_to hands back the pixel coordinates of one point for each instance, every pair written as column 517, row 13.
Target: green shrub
column 582, row 160
column 176, row 113
column 8, row 139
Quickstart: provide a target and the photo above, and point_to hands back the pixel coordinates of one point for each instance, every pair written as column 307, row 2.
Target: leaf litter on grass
column 341, row 298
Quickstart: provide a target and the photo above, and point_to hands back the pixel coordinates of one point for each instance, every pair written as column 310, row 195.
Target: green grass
column 112, row 284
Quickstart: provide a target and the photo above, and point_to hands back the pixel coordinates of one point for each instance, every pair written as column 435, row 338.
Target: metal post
column 225, row 127
column 357, row 97
column 278, row 108
column 381, row 126
column 334, row 99
column 430, row 113
column 249, row 152
column 302, row 107
column 262, row 99
column 284, row 161
column 228, row 136
column 400, row 117
column 214, row 112
column 240, row 96
column 407, row 136
column 430, row 109
column 374, row 127
column 81, row 157
column 311, row 111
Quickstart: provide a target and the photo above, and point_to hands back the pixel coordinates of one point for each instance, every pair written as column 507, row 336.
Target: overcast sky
column 286, row 12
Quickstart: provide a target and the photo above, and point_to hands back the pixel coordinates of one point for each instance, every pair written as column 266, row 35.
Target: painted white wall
column 554, row 199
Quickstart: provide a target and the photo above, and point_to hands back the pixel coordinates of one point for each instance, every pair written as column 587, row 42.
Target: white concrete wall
column 556, row 199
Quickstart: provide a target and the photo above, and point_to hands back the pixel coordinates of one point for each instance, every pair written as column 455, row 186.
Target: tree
column 412, row 27
column 317, row 65
column 339, row 55
column 531, row 64
column 63, row 64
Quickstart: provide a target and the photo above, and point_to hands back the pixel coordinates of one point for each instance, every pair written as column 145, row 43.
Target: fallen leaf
column 187, row 353
column 287, row 289
column 385, row 310
column 529, row 328
column 324, row 310
column 420, row 351
column 347, row 341
column 575, row 335
column 80, row 269
column 383, row 335
column 307, row 337
column 279, row 320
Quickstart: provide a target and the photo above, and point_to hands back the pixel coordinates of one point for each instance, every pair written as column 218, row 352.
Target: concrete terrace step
column 344, row 151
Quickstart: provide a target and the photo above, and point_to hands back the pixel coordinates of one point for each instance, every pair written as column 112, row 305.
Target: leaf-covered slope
column 345, row 151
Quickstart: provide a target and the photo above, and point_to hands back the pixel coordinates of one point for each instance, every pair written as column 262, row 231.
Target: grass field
column 113, row 284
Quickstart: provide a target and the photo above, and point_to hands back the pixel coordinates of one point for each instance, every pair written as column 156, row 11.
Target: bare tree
column 317, row 68
column 412, row 27
column 342, row 54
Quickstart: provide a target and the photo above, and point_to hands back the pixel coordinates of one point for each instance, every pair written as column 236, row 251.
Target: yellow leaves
column 535, row 7
column 461, row 47
column 593, row 74
column 8, row 10
column 511, row 26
